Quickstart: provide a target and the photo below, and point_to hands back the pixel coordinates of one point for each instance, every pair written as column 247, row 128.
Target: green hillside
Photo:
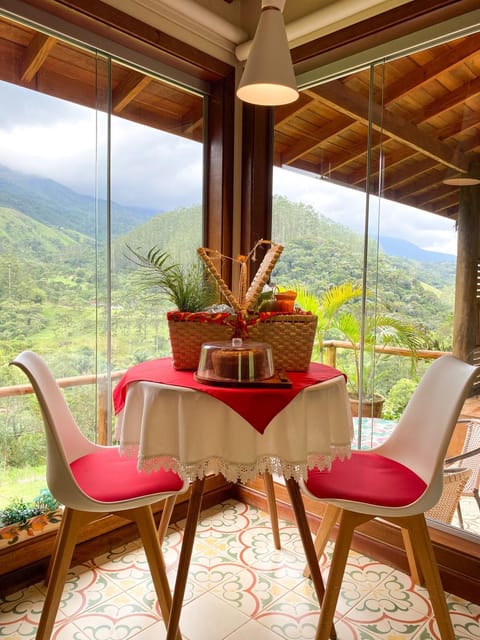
column 49, row 275
column 53, row 204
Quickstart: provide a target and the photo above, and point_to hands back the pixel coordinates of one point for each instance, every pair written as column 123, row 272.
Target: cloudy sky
column 56, row 139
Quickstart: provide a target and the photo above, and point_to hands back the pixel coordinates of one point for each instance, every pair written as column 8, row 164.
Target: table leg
column 272, row 508
column 307, row 541
column 193, row 513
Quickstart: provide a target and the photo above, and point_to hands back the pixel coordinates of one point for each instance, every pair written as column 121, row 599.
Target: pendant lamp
column 465, row 180
column 268, row 78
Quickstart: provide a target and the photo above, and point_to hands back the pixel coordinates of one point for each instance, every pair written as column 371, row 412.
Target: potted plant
column 380, row 329
column 187, row 288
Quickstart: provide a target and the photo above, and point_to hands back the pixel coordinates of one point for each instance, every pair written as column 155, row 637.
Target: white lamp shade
column 461, row 181
column 268, row 78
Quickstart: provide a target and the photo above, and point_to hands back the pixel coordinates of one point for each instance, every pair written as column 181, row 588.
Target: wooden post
column 466, row 333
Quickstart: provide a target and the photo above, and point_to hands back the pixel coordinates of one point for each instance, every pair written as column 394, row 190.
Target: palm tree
column 380, row 329
column 326, row 307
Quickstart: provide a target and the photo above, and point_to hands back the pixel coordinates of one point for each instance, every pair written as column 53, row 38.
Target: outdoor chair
column 90, row 480
column 469, row 458
column 397, row 481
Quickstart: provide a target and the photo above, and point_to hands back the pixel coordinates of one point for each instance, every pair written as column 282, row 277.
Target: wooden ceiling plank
column 336, row 95
column 35, row 56
column 305, row 144
column 128, row 90
column 401, row 176
column 289, row 111
column 449, row 101
column 450, row 58
column 460, row 126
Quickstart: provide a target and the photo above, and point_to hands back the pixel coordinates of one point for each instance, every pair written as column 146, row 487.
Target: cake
column 241, row 364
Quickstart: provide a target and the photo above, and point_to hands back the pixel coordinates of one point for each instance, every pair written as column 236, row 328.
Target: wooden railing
column 331, row 346
column 77, row 381
column 103, row 388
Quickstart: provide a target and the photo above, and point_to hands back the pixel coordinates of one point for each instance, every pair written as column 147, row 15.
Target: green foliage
column 54, row 294
column 19, row 511
column 379, row 329
column 398, row 397
column 188, row 289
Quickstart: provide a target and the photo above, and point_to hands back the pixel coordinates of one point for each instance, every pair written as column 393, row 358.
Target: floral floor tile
column 292, row 617
column 240, row 581
column 249, row 591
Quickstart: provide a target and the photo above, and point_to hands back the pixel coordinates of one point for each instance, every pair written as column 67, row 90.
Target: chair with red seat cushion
column 397, row 481
column 89, row 479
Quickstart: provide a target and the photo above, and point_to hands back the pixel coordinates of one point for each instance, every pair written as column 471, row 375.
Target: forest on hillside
column 54, row 297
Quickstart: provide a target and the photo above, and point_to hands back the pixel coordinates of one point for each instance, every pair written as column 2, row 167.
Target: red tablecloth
column 259, row 406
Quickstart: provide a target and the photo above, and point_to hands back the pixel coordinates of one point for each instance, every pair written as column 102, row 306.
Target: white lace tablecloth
column 194, row 433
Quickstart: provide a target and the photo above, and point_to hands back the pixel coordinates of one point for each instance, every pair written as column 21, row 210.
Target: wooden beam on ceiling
column 452, row 57
column 468, row 122
column 286, row 112
column 35, row 55
column 349, row 102
column 304, row 144
column 128, row 90
column 451, row 99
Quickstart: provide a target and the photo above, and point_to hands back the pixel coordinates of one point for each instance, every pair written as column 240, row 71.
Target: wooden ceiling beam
column 193, row 119
column 128, row 90
column 286, row 112
column 451, row 99
column 461, row 126
column 35, row 55
column 304, row 144
column 400, row 176
column 452, row 57
column 350, row 103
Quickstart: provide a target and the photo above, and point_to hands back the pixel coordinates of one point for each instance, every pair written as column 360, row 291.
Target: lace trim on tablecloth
column 243, row 472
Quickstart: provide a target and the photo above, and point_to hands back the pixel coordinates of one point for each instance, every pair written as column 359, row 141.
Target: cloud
column 56, row 139
column 149, row 168
column 348, row 207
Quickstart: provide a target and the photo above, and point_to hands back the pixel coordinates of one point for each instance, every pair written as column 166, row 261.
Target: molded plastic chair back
column 65, row 441
column 421, row 437
column 66, row 444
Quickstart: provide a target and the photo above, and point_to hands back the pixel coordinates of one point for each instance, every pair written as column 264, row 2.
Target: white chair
column 89, row 480
column 397, row 481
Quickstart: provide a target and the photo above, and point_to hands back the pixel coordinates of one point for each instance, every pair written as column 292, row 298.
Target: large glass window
column 369, row 227
column 95, row 157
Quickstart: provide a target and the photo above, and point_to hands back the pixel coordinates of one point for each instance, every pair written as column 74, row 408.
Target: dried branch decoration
column 247, row 297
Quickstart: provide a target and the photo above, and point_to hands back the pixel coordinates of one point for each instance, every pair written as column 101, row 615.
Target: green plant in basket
column 187, row 288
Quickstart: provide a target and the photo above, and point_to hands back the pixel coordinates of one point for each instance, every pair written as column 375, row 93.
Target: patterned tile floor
column 239, row 588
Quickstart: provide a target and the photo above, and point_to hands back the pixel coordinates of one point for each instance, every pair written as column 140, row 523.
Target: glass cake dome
column 236, row 361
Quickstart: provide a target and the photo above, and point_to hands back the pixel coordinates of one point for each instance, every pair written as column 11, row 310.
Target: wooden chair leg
column 330, row 517
column 348, row 521
column 193, row 512
column 413, row 566
column 72, row 522
column 143, row 516
column 418, row 530
column 54, row 552
column 165, row 519
column 272, row 508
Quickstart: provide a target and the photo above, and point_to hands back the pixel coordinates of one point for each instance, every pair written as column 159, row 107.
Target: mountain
column 404, row 249
column 58, row 206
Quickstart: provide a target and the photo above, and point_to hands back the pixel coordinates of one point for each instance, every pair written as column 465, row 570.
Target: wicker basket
column 291, row 336
column 188, row 331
